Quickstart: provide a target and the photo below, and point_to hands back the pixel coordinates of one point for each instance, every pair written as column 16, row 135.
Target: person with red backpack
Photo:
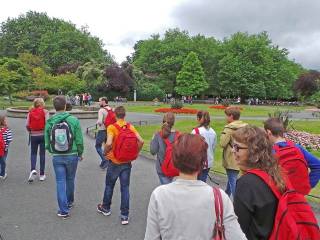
column 36, row 120
column 5, row 140
column 302, row 168
column 123, row 146
column 106, row 117
column 266, row 204
column 161, row 145
column 204, row 129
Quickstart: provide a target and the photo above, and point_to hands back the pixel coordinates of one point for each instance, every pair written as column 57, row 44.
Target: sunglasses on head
column 236, row 147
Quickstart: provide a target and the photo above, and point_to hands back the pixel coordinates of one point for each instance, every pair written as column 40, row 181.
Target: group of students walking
column 275, row 174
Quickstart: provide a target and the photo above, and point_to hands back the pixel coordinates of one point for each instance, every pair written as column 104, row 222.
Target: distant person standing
column 36, row 120
column 228, row 161
column 5, row 140
column 102, row 132
column 63, row 139
column 81, row 99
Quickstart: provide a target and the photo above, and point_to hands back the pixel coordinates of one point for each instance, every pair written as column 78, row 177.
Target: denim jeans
column 232, row 180
column 164, row 179
column 3, row 164
column 204, row 175
column 65, row 167
column 100, row 138
column 38, row 142
column 114, row 172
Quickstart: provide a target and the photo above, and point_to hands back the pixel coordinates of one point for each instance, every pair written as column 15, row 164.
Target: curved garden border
column 16, row 112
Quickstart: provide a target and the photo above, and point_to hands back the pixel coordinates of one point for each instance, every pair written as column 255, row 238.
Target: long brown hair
column 260, row 152
column 167, row 124
column 2, row 121
column 204, row 116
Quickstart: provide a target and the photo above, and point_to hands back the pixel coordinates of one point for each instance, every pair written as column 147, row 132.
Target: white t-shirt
column 211, row 138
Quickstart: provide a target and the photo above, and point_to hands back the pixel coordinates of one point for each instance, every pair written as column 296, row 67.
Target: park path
column 27, row 211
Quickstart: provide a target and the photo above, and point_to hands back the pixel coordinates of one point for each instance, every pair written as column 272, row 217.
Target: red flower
column 181, row 110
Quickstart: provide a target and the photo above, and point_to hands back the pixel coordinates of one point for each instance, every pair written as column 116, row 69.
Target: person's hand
column 80, row 158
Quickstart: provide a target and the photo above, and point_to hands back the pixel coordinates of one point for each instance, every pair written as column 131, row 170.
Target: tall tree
column 13, row 76
column 308, row 83
column 58, row 42
column 190, row 80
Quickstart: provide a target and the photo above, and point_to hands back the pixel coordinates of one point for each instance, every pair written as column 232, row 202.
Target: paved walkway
column 27, row 211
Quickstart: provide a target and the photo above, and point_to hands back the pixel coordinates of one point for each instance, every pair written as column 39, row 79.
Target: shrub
column 177, row 105
column 149, row 91
column 21, row 94
column 315, row 99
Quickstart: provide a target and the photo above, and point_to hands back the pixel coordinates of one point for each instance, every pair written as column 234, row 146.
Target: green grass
column 4, row 103
column 187, row 126
column 247, row 111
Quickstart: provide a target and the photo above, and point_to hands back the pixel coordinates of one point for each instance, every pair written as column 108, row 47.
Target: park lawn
column 187, row 126
column 4, row 103
column 247, row 111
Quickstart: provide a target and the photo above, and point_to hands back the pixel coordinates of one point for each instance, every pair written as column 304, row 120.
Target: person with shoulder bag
column 36, row 120
column 188, row 208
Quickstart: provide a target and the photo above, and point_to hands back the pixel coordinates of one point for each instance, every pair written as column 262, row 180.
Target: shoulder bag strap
column 197, row 131
column 218, row 204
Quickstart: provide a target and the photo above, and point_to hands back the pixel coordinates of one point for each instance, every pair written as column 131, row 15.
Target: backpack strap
column 197, row 130
column 127, row 125
column 267, row 179
column 167, row 141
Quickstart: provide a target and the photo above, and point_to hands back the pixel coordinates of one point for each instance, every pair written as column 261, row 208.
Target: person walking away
column 5, row 140
column 158, row 144
column 102, row 132
column 228, row 161
column 266, row 204
column 204, row 129
column 36, row 120
column 63, row 139
column 302, row 168
column 122, row 147
column 185, row 208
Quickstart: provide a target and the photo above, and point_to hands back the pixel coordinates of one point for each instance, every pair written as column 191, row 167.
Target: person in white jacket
column 185, row 208
column 204, row 129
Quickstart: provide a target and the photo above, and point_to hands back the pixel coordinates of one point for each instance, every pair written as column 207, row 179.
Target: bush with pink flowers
column 307, row 140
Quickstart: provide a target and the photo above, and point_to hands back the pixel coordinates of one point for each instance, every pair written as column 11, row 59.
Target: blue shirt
column 312, row 161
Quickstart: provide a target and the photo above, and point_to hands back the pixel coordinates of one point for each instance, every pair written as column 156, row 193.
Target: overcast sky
column 292, row 24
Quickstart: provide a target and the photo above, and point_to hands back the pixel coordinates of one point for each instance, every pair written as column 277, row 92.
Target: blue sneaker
column 124, row 220
column 104, row 211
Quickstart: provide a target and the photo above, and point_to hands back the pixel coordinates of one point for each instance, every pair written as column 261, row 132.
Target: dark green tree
column 190, row 80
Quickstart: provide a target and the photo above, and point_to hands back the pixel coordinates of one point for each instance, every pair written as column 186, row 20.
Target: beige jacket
column 228, row 161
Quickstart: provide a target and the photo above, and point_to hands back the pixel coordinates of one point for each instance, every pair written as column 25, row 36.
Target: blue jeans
column 65, row 167
column 164, row 179
column 232, row 180
column 114, row 172
column 3, row 164
column 203, row 175
column 100, row 138
column 38, row 142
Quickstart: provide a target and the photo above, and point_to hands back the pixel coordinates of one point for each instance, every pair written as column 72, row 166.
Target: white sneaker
column 4, row 177
column 42, row 177
column 32, row 176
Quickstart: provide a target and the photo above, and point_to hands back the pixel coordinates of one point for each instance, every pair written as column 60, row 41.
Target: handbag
column 218, row 230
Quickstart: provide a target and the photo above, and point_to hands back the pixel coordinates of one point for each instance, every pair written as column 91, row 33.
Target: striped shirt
column 7, row 137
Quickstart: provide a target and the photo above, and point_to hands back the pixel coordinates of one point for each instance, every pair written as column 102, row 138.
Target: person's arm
column 152, row 228
column 154, row 144
column 313, row 164
column 47, row 114
column 9, row 136
column 28, row 122
column 140, row 141
column 108, row 145
column 225, row 138
column 232, row 227
column 100, row 117
column 79, row 139
column 47, row 137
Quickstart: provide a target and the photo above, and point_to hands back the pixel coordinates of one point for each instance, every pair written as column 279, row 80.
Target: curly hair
column 260, row 152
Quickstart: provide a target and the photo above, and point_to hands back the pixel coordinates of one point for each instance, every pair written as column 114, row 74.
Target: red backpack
column 37, row 119
column 126, row 145
column 167, row 166
column 2, row 142
column 291, row 159
column 111, row 117
column 294, row 218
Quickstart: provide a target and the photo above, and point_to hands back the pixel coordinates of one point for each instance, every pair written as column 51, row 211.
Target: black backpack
column 61, row 137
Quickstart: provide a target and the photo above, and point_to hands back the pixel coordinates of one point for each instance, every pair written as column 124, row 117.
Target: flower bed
column 307, row 140
column 174, row 110
column 224, row 107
